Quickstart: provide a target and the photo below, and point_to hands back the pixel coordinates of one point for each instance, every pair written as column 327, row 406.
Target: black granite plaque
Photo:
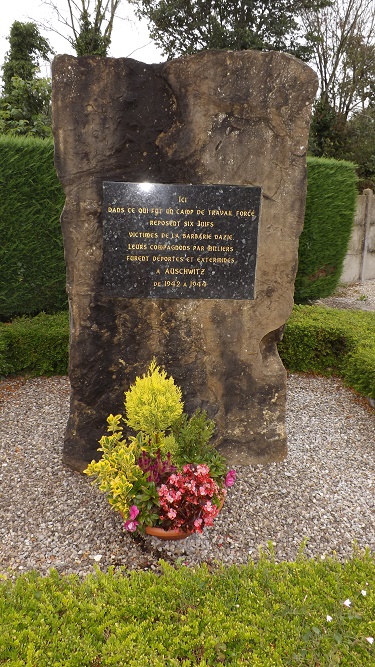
column 180, row 241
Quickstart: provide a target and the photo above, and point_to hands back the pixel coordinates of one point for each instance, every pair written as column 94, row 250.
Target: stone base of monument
column 149, row 278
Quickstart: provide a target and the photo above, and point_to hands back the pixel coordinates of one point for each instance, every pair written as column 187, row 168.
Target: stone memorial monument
column 185, row 189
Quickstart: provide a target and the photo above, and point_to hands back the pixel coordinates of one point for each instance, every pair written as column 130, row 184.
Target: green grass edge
column 268, row 614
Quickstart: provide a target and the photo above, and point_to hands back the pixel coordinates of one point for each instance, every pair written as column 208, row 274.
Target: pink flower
column 209, row 506
column 172, row 514
column 133, row 512
column 230, row 478
column 131, row 525
column 163, row 491
column 203, row 470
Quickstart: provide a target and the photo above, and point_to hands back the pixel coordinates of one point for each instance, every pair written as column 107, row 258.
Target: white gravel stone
column 358, row 296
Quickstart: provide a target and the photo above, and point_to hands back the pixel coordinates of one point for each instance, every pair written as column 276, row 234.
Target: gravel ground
column 359, row 296
column 323, row 491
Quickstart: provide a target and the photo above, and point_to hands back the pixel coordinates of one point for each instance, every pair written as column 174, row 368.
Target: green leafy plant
column 330, row 341
column 257, row 615
column 193, row 435
column 169, row 474
column 35, row 346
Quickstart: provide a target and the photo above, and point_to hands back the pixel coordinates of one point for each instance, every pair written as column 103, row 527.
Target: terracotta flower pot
column 162, row 534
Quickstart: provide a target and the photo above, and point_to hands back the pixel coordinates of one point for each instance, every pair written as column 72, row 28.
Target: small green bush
column 329, row 341
column 258, row 615
column 330, row 207
column 32, row 268
column 320, row 340
column 35, row 346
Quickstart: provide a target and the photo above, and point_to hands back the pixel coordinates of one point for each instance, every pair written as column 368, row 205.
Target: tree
column 27, row 48
column 361, row 145
column 327, row 131
column 344, row 53
column 90, row 24
column 25, row 102
column 183, row 27
column 344, row 57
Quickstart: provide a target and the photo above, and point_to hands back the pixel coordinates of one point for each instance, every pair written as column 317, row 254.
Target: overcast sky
column 128, row 34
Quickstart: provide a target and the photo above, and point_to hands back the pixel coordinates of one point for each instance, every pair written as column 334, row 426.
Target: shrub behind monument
column 330, row 207
column 32, row 269
column 321, row 340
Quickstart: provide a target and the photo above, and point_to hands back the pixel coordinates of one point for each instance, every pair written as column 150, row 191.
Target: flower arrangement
column 168, row 475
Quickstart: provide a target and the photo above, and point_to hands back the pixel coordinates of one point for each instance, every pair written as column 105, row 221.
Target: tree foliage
column 344, row 53
column 26, row 98
column 26, row 109
column 181, row 27
column 27, row 48
column 334, row 136
column 344, row 56
column 90, row 24
column 360, row 145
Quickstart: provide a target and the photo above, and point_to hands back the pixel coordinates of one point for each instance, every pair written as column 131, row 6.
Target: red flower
column 186, row 499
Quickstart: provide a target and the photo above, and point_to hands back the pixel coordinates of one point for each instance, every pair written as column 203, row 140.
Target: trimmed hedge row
column 316, row 339
column 330, row 209
column 35, row 346
column 32, row 268
column 329, row 341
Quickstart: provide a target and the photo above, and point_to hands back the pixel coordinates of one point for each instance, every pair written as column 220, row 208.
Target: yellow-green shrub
column 153, row 403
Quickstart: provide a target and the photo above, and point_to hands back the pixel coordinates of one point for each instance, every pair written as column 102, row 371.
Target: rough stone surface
column 216, row 117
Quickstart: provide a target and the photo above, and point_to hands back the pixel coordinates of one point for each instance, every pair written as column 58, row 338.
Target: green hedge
column 35, row 346
column 316, row 340
column 329, row 341
column 330, row 208
column 32, row 269
column 258, row 615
